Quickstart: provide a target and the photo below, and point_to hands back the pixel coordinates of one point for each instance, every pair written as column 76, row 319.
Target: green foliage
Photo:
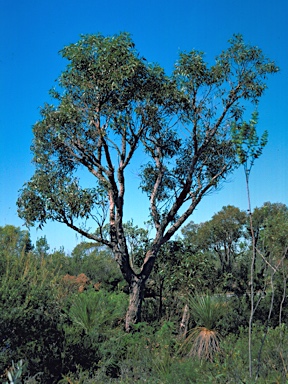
column 30, row 317
column 207, row 309
column 97, row 263
column 80, row 338
column 148, row 352
column 270, row 227
column 233, row 364
column 91, row 310
column 221, row 241
column 85, row 311
column 13, row 241
column 105, row 79
column 235, row 315
column 137, row 242
column 15, row 372
column 179, row 270
column 248, row 145
column 109, row 104
column 109, row 91
column 42, row 247
column 204, row 340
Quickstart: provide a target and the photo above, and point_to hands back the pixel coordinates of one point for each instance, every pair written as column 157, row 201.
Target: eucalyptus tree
column 110, row 103
column 14, row 241
column 221, row 242
column 222, row 235
column 270, row 226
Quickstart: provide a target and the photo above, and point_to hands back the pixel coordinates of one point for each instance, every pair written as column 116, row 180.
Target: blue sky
column 33, row 32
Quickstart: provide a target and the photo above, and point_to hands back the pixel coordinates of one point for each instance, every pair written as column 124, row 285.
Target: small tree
column 115, row 104
column 249, row 147
column 14, row 241
column 221, row 235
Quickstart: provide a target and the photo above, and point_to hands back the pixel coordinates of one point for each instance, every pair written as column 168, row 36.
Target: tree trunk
column 160, row 310
column 136, row 291
column 184, row 322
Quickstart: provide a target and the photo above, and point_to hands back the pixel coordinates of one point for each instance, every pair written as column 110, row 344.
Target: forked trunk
column 133, row 315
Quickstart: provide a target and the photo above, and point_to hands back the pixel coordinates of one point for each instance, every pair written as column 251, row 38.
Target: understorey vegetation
column 63, row 316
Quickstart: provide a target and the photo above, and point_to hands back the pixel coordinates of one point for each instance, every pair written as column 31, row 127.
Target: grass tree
column 204, row 339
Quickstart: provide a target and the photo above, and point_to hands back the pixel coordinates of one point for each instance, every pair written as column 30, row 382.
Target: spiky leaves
column 203, row 340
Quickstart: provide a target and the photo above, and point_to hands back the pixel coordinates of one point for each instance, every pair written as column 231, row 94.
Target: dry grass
column 205, row 343
column 201, row 342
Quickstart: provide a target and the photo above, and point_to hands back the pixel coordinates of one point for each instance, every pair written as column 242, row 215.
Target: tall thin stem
column 267, row 324
column 251, row 273
column 249, row 147
column 284, row 290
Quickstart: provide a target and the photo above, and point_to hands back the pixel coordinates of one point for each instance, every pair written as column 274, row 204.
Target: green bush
column 30, row 322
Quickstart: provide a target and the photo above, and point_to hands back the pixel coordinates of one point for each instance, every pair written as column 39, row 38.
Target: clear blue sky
column 33, row 31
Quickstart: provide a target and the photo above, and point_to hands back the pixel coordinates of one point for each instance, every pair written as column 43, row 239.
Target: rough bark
column 133, row 315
